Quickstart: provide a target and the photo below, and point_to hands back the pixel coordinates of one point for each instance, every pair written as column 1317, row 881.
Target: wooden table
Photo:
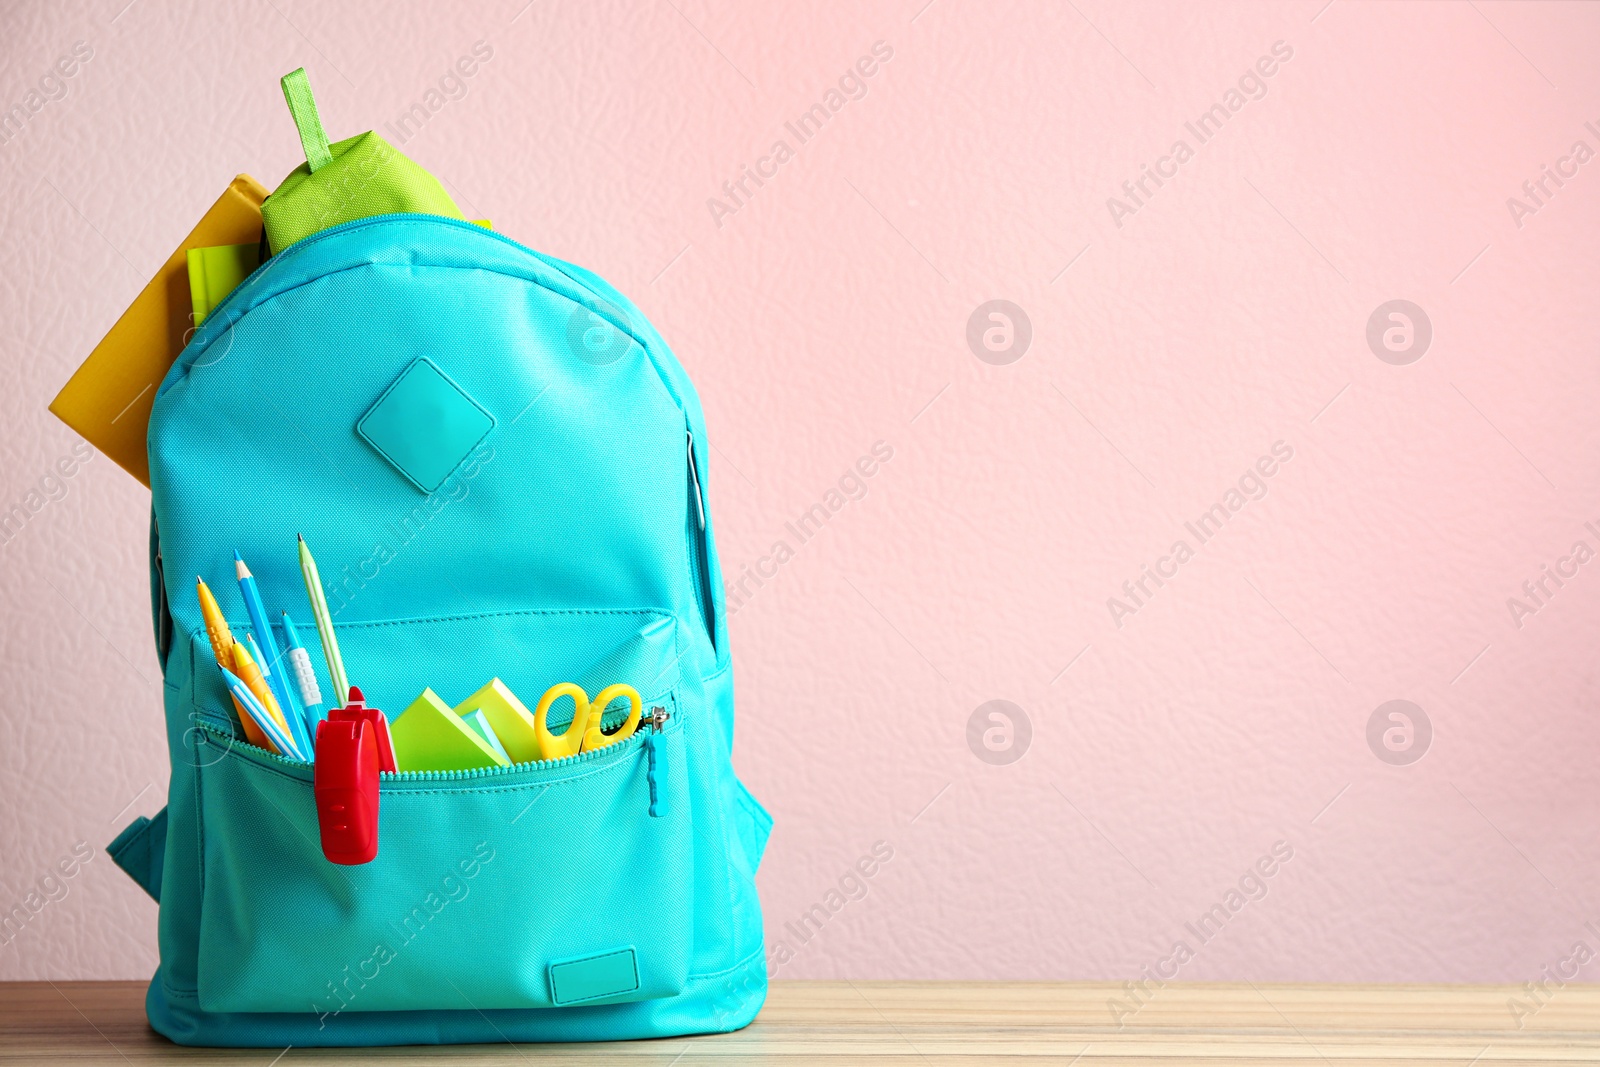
column 86, row 1024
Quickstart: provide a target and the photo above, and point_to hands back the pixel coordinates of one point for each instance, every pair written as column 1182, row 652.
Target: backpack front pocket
column 538, row 885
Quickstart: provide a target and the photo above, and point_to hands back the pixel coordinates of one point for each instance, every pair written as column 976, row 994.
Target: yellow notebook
column 109, row 399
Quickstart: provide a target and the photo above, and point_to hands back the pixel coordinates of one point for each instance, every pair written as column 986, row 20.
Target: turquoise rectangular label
column 594, row 976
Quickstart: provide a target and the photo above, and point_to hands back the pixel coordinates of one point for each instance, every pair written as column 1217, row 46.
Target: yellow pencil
column 222, row 644
column 250, row 675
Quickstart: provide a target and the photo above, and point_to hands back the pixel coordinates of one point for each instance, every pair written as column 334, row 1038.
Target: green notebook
column 216, row 272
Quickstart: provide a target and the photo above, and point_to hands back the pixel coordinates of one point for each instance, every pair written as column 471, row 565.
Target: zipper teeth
column 210, row 726
column 299, row 246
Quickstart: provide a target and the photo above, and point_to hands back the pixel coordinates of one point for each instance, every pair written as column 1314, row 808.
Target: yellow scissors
column 583, row 735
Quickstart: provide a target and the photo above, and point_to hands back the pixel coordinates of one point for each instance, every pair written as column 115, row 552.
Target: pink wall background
column 1227, row 313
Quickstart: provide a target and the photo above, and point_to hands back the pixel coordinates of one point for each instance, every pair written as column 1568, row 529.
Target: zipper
column 218, row 313
column 347, row 784
column 702, row 562
column 656, row 721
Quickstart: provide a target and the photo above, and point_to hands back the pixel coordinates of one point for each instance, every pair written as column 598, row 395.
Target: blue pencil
column 274, row 673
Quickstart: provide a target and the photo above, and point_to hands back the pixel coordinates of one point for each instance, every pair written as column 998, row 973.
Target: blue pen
column 269, row 726
column 305, row 677
column 291, row 710
column 270, row 667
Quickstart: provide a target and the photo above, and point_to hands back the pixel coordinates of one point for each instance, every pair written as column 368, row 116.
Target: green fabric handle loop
column 303, row 109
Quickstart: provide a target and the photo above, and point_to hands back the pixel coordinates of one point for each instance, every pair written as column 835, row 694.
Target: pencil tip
column 299, row 538
column 236, row 555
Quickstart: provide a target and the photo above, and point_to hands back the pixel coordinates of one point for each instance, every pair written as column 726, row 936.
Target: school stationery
column 264, row 665
column 278, row 739
column 305, row 676
column 221, row 638
column 287, row 710
column 345, row 784
column 459, row 929
column 109, row 399
column 276, row 676
column 217, row 271
column 248, row 671
column 358, row 709
column 282, row 684
column 217, row 630
column 319, row 611
column 583, row 733
column 429, row 736
column 481, row 727
column 511, row 722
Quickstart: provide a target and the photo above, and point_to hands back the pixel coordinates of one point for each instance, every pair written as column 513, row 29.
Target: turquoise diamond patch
column 425, row 424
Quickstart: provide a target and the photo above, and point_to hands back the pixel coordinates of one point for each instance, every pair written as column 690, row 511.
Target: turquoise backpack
column 501, row 468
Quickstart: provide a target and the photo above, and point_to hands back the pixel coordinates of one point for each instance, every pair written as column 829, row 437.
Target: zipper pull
column 656, row 765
